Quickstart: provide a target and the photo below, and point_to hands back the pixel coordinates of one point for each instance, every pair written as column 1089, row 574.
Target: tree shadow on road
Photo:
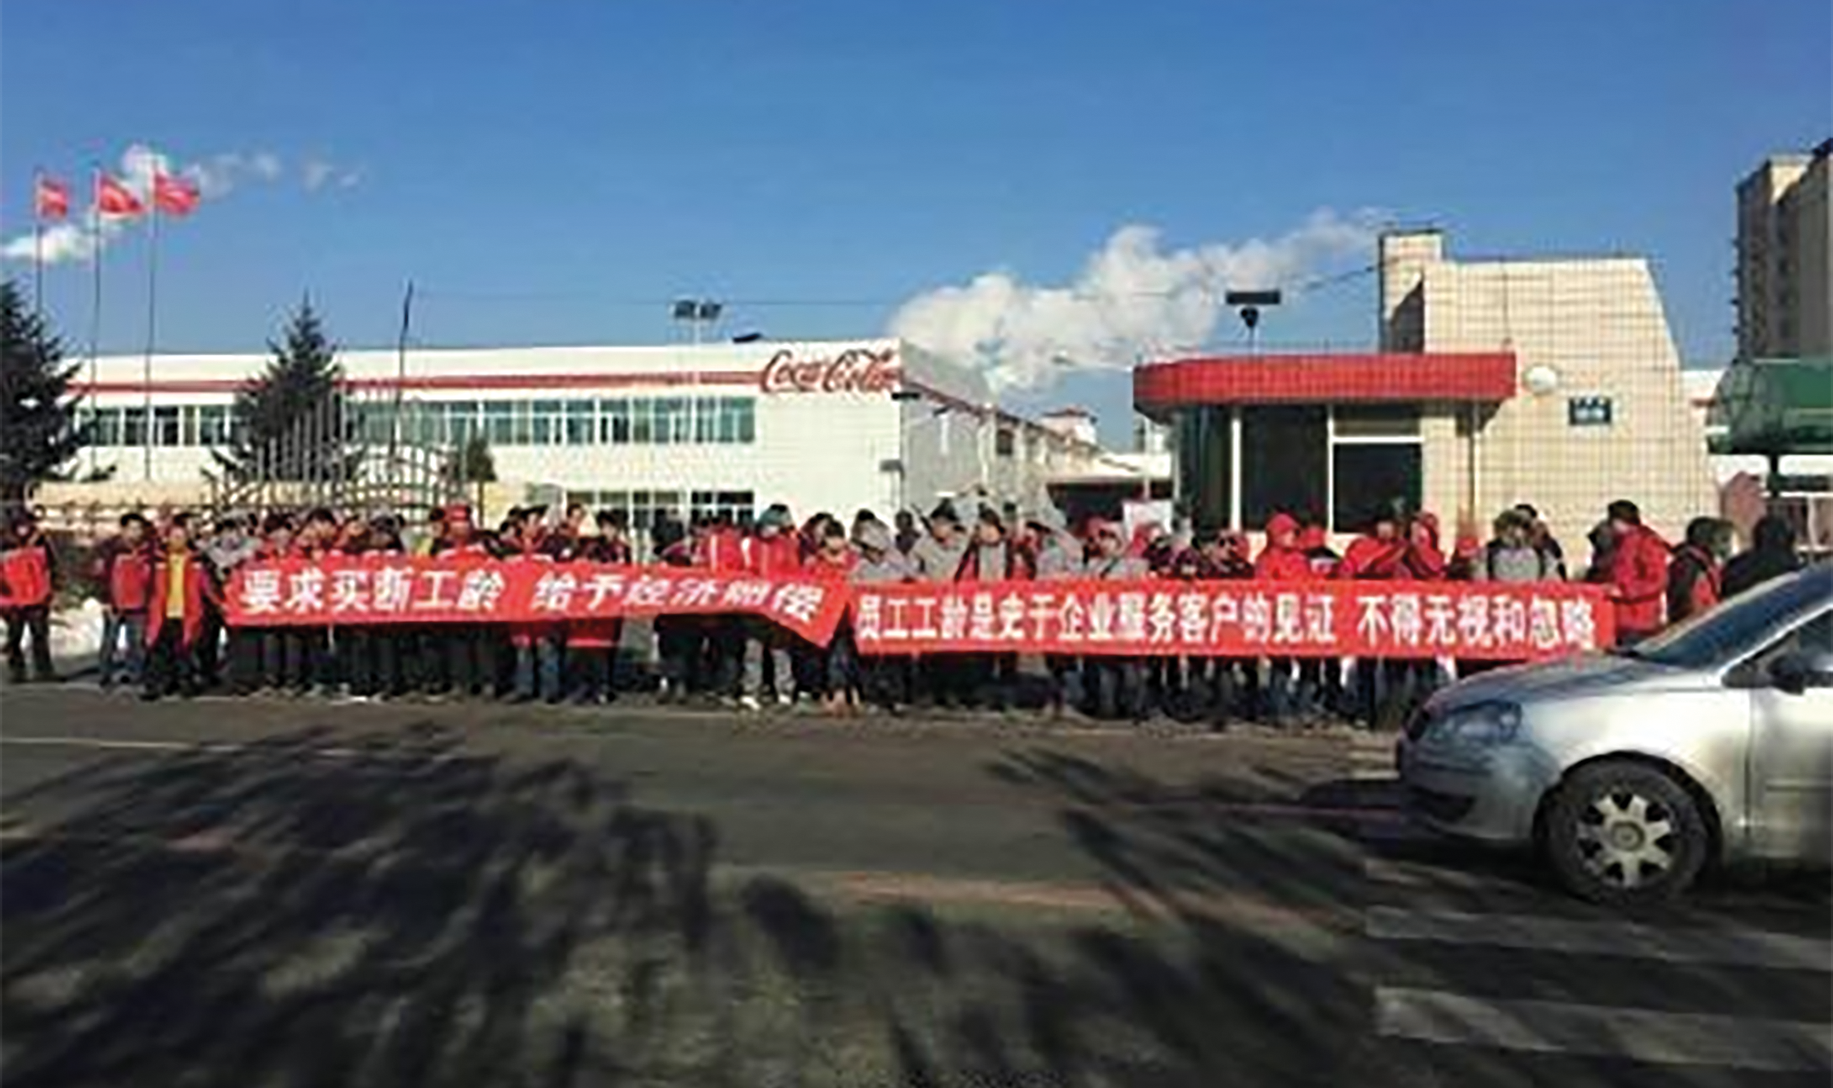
column 400, row 909
column 1202, row 852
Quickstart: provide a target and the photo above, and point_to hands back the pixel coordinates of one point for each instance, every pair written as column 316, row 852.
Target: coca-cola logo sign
column 855, row 370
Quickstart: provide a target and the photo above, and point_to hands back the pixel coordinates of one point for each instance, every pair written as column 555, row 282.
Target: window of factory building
column 737, row 505
column 165, row 426
column 1204, row 443
column 1304, row 460
column 644, row 507
column 676, row 421
column 1284, row 452
column 614, row 422
column 1375, row 460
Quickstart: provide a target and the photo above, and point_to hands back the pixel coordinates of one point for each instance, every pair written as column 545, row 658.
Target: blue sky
column 548, row 170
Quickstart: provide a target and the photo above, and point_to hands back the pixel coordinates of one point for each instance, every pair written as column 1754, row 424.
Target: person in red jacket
column 591, row 645
column 1636, row 572
column 182, row 586
column 990, row 679
column 466, row 649
column 1320, row 679
column 28, row 574
column 1281, row 560
column 1395, row 548
column 719, row 547
column 1425, row 559
column 535, row 647
column 833, row 560
column 678, row 638
column 766, row 656
column 124, row 568
column 1379, row 554
column 1694, row 572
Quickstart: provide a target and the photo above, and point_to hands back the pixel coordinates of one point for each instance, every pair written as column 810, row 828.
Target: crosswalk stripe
column 1633, row 1034
column 1371, row 758
column 1734, row 947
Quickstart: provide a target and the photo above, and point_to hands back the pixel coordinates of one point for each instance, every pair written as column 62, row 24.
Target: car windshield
column 1741, row 626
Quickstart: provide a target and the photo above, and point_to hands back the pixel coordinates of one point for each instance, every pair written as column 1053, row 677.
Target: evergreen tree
column 474, row 463
column 293, row 422
column 38, row 431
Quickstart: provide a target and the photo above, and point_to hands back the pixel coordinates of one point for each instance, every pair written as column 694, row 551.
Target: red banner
column 358, row 592
column 1484, row 621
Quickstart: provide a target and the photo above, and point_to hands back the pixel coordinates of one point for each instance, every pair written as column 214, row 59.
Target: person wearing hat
column 535, row 648
column 305, row 659
column 1541, row 536
column 1320, row 679
column 465, row 656
column 719, row 546
column 884, row 679
column 1056, row 556
column 679, row 665
column 991, row 557
column 257, row 655
column 229, row 546
column 1281, row 560
column 1637, row 573
column 1115, row 684
column 28, row 576
column 772, row 550
column 591, row 645
column 383, row 655
column 1385, row 552
column 936, row 557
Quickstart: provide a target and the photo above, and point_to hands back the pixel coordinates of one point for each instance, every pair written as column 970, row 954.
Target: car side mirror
column 1796, row 671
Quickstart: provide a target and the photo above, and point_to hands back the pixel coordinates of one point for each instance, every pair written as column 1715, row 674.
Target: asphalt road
column 287, row 893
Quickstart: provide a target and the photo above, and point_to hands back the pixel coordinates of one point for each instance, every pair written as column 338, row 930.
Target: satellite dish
column 1540, row 379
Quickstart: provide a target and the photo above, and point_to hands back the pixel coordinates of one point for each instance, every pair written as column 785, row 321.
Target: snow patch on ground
column 76, row 633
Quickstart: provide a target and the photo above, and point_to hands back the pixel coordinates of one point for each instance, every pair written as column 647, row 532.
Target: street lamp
column 696, row 313
column 1249, row 304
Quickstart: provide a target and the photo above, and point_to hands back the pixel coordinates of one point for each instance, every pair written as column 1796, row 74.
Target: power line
column 1305, row 286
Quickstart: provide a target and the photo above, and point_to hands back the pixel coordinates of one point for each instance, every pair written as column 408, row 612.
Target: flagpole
column 95, row 300
column 152, row 312
column 38, row 244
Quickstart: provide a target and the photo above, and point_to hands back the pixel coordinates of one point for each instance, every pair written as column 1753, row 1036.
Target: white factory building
column 833, row 426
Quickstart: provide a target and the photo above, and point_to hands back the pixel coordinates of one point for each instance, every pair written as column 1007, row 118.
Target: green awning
column 1774, row 407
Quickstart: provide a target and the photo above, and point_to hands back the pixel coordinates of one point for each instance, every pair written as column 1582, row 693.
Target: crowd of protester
column 161, row 578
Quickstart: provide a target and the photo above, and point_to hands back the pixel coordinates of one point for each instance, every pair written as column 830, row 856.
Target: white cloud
column 315, row 173
column 1131, row 298
column 61, row 242
column 266, row 165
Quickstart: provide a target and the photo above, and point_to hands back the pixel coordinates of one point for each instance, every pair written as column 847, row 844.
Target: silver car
column 1633, row 769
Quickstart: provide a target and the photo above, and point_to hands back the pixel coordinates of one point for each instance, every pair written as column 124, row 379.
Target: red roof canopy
column 1324, row 379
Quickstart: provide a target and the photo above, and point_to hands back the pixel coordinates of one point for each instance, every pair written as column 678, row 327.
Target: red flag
column 52, row 199
column 115, row 198
column 175, row 196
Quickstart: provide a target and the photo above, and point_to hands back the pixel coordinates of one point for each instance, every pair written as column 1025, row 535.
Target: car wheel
column 1625, row 833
